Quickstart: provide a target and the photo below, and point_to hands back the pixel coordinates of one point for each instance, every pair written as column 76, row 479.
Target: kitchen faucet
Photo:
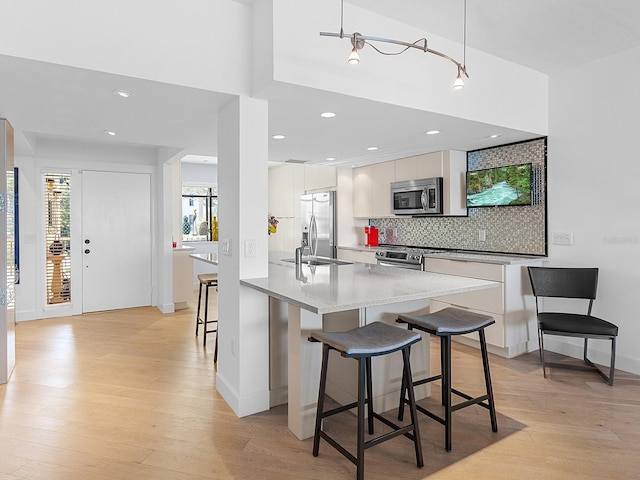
column 304, row 245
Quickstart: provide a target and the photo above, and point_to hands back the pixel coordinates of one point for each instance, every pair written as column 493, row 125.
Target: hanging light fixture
column 358, row 41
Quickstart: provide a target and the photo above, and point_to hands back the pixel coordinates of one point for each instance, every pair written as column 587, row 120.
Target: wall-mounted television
column 509, row 185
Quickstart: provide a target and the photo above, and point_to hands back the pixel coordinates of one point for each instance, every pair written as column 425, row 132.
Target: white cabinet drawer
column 494, row 333
column 485, row 271
column 489, row 300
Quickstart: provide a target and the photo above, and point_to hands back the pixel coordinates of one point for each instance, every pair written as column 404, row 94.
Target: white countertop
column 211, row 258
column 485, row 257
column 183, row 249
column 335, row 288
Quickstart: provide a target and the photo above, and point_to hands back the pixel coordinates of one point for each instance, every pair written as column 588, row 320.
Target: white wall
column 593, row 172
column 499, row 92
column 184, row 44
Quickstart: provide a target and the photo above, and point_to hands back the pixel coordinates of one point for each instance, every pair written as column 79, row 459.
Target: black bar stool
column 363, row 343
column 444, row 324
column 207, row 280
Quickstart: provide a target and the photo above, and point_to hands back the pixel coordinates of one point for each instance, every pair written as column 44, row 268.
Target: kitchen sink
column 318, row 261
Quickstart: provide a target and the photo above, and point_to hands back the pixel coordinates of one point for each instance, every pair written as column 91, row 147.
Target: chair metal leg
column 369, row 395
column 443, row 362
column 206, row 316
column 417, row 442
column 544, row 370
column 612, row 368
column 362, row 373
column 487, row 380
column 446, row 386
column 321, row 389
column 198, row 311
column 215, row 352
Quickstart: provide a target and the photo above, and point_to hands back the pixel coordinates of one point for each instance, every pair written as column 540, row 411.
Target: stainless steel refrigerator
column 318, row 219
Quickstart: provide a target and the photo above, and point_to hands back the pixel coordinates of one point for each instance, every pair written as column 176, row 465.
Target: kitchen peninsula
column 342, row 297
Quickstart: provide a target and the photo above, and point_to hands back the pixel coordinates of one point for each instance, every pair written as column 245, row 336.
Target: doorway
column 116, row 236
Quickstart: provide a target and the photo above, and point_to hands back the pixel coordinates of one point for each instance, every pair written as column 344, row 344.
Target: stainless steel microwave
column 417, row 197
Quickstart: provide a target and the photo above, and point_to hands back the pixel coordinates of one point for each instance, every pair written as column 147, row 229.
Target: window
column 57, row 219
column 199, row 213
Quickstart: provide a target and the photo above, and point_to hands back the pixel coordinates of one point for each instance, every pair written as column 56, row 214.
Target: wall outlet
column 225, row 245
column 562, row 238
column 482, row 235
column 250, row 248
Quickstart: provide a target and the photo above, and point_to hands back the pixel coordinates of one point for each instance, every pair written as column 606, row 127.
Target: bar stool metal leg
column 487, row 381
column 198, row 311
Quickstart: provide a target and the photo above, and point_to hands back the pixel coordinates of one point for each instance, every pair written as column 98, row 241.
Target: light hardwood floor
column 131, row 395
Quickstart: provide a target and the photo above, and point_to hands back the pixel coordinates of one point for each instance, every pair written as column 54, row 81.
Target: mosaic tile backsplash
column 513, row 229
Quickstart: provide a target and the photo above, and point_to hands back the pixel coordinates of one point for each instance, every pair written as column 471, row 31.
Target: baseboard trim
column 242, row 406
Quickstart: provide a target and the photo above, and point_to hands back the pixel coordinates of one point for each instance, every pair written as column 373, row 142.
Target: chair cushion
column 374, row 339
column 575, row 323
column 449, row 321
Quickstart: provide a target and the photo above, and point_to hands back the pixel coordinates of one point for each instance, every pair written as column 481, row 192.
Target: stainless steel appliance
column 417, row 197
column 403, row 257
column 318, row 218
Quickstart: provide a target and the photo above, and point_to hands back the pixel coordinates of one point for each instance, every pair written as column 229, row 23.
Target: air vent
column 292, row 160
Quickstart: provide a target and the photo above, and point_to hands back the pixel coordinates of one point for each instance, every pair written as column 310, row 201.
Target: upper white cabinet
column 286, row 184
column 451, row 165
column 372, row 190
column 428, row 165
column 319, row 177
column 371, row 184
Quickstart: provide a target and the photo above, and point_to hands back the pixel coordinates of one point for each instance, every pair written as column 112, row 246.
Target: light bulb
column 354, row 58
column 458, row 84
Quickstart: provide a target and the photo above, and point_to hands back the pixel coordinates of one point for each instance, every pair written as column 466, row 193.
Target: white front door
column 116, row 236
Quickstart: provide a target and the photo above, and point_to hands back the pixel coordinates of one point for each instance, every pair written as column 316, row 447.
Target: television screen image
column 510, row 185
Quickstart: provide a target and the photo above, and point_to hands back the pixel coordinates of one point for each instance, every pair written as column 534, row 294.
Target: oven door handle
column 409, row 266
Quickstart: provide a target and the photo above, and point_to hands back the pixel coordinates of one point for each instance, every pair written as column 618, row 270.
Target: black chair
column 445, row 323
column 576, row 283
column 361, row 344
column 207, row 280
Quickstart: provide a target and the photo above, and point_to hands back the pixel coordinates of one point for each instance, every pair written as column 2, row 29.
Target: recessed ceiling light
column 111, row 133
column 327, row 114
column 330, row 159
column 432, row 132
column 278, row 137
column 122, row 93
column 495, row 135
column 372, row 148
column 353, row 166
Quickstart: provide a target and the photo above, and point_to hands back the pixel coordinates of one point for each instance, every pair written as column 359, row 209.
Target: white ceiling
column 52, row 101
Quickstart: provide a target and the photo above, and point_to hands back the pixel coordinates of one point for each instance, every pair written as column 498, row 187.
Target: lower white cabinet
column 350, row 255
column 512, row 305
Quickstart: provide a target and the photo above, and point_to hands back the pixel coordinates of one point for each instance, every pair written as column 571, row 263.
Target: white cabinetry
column 351, row 255
column 511, row 305
column 372, row 190
column 451, row 165
column 286, row 185
column 371, row 184
column 182, row 277
column 319, row 177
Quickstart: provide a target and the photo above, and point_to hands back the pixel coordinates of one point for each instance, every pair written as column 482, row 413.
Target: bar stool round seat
column 207, row 281
column 445, row 324
column 362, row 344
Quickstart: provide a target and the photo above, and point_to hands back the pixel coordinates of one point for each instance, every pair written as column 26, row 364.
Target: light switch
column 225, row 245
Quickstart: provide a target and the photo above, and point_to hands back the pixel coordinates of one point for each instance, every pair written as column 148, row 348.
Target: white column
column 243, row 314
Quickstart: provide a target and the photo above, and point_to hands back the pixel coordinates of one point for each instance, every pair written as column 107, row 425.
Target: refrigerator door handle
column 313, row 235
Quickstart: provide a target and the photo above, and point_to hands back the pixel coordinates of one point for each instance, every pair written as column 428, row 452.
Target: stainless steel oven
column 400, row 258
